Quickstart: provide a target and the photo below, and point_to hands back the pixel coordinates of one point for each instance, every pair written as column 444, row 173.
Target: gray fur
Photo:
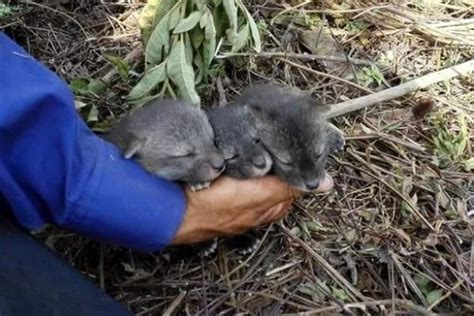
column 293, row 130
column 171, row 139
column 237, row 137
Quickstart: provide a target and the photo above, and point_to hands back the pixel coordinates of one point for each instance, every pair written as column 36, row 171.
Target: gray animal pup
column 294, row 131
column 171, row 139
column 237, row 137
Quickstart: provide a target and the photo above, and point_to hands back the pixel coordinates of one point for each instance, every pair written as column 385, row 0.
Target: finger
column 326, row 185
column 273, row 190
column 275, row 213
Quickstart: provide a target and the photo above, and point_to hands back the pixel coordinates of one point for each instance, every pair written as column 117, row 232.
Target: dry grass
column 395, row 236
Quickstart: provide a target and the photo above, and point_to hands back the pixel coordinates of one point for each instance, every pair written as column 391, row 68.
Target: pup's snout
column 312, row 185
column 217, row 163
column 220, row 168
column 260, row 162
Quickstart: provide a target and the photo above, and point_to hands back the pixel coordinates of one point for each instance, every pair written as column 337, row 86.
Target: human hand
column 231, row 207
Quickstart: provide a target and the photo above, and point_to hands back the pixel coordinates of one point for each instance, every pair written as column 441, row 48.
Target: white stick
column 401, row 90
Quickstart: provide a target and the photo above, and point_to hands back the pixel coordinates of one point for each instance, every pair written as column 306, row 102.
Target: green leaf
column 209, row 47
column 174, row 18
column 221, row 20
column 79, row 86
column 231, row 11
column 469, row 164
column 255, row 35
column 422, row 282
column 96, row 87
column 79, row 104
column 253, row 27
column 340, row 294
column 164, row 7
column 189, row 48
column 200, row 3
column 93, row 115
column 87, row 86
column 121, row 66
column 202, row 71
column 197, row 38
column 204, row 19
column 188, row 23
column 434, row 296
column 181, row 73
column 150, row 80
column 159, row 42
column 241, row 39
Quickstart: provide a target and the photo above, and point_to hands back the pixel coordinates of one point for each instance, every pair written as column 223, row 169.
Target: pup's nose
column 219, row 168
column 312, row 184
column 260, row 162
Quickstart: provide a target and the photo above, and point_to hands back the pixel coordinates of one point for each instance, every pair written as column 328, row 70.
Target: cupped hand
column 231, row 207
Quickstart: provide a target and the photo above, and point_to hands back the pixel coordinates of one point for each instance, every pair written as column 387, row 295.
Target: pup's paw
column 208, row 248
column 197, row 186
column 244, row 244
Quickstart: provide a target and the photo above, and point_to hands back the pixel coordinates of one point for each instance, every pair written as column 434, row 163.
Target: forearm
column 54, row 169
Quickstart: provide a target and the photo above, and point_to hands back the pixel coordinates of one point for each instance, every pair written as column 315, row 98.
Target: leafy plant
column 427, row 288
column 87, row 86
column 451, row 147
column 6, row 10
column 371, row 75
column 181, row 38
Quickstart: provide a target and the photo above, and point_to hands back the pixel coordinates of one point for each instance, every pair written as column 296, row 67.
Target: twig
column 338, row 278
column 289, row 10
column 221, row 92
column 175, row 304
column 58, row 12
column 298, row 56
column 412, row 207
column 320, row 73
column 404, row 303
column 401, row 90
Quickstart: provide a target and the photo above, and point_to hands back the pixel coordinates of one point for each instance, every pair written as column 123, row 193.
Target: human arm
column 53, row 169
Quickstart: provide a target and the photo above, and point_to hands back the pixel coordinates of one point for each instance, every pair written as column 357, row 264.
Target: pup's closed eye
column 233, row 158
column 185, row 155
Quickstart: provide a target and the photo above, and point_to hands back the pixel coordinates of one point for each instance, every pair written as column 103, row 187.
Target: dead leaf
column 423, row 107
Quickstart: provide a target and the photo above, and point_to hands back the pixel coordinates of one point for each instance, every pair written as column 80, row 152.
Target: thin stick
column 401, row 90
column 58, row 12
column 298, row 56
column 403, row 303
column 175, row 303
column 320, row 73
column 337, row 277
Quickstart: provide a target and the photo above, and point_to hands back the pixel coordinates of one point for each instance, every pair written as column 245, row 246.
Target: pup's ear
column 133, row 147
column 254, row 110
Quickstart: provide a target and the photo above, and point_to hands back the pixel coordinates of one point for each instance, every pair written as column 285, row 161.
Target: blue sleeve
column 53, row 169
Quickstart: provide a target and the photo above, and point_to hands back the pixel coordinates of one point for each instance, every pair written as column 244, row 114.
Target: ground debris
column 396, row 236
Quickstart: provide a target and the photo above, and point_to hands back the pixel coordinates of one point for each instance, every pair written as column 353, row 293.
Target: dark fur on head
column 294, row 131
column 237, row 137
column 171, row 139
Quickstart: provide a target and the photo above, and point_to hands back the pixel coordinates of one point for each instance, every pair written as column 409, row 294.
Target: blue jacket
column 53, row 169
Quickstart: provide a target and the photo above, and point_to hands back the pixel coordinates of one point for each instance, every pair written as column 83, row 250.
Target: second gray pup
column 171, row 139
column 237, row 138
